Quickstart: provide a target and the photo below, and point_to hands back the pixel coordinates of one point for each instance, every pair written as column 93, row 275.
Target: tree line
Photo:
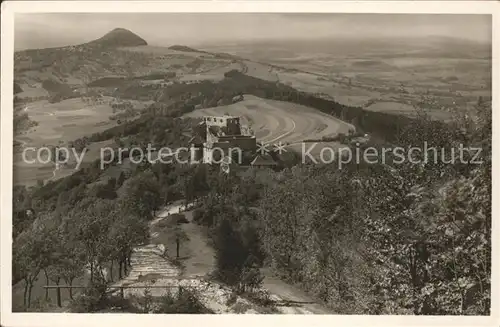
column 371, row 238
column 95, row 232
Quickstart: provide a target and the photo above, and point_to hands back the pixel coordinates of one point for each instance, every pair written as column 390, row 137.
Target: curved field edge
column 273, row 120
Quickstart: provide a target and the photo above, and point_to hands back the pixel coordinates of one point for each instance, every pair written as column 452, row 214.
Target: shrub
column 232, row 299
column 197, row 215
column 260, row 297
column 89, row 301
column 250, row 279
column 178, row 218
column 341, row 137
column 172, row 220
column 182, row 301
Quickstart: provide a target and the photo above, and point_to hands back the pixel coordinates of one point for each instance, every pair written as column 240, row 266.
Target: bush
column 232, row 299
column 250, row 279
column 146, row 301
column 260, row 297
column 41, row 305
column 91, row 300
column 172, row 220
column 182, row 301
column 197, row 215
column 178, row 218
column 205, row 216
column 341, row 137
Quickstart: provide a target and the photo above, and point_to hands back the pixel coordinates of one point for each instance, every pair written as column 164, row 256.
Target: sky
column 165, row 29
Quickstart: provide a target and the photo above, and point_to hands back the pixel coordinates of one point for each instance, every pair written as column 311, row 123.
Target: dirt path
column 198, row 260
column 201, row 261
column 151, row 268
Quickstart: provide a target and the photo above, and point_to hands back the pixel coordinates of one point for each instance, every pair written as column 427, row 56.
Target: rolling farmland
column 277, row 121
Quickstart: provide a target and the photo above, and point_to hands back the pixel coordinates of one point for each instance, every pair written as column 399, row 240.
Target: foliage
column 142, row 195
column 182, row 301
column 382, row 238
column 374, row 239
column 31, row 251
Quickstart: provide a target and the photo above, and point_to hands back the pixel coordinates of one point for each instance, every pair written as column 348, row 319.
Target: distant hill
column 119, row 37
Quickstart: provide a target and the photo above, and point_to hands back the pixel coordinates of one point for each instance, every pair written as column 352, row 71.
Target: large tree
column 141, row 195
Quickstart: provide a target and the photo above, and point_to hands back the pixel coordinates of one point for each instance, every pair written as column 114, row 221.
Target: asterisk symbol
column 225, row 168
column 280, row 147
column 262, row 148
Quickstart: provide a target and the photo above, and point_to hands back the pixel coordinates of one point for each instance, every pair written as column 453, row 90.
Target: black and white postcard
column 326, row 160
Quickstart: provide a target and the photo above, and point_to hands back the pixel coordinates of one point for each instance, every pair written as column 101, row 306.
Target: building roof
column 225, row 116
column 263, row 160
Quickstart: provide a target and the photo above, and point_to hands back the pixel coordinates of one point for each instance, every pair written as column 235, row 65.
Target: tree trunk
column 58, row 294
column 120, row 269
column 111, row 271
column 100, row 271
column 47, row 284
column 125, row 265
column 71, row 289
column 92, row 271
column 177, row 243
column 30, row 287
column 25, row 293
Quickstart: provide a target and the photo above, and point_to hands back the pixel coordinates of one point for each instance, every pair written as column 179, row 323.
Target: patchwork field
column 58, row 124
column 396, row 73
column 189, row 66
column 213, row 72
column 65, row 121
column 352, row 84
column 277, row 121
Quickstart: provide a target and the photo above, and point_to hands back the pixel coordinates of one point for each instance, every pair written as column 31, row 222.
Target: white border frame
column 8, row 9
